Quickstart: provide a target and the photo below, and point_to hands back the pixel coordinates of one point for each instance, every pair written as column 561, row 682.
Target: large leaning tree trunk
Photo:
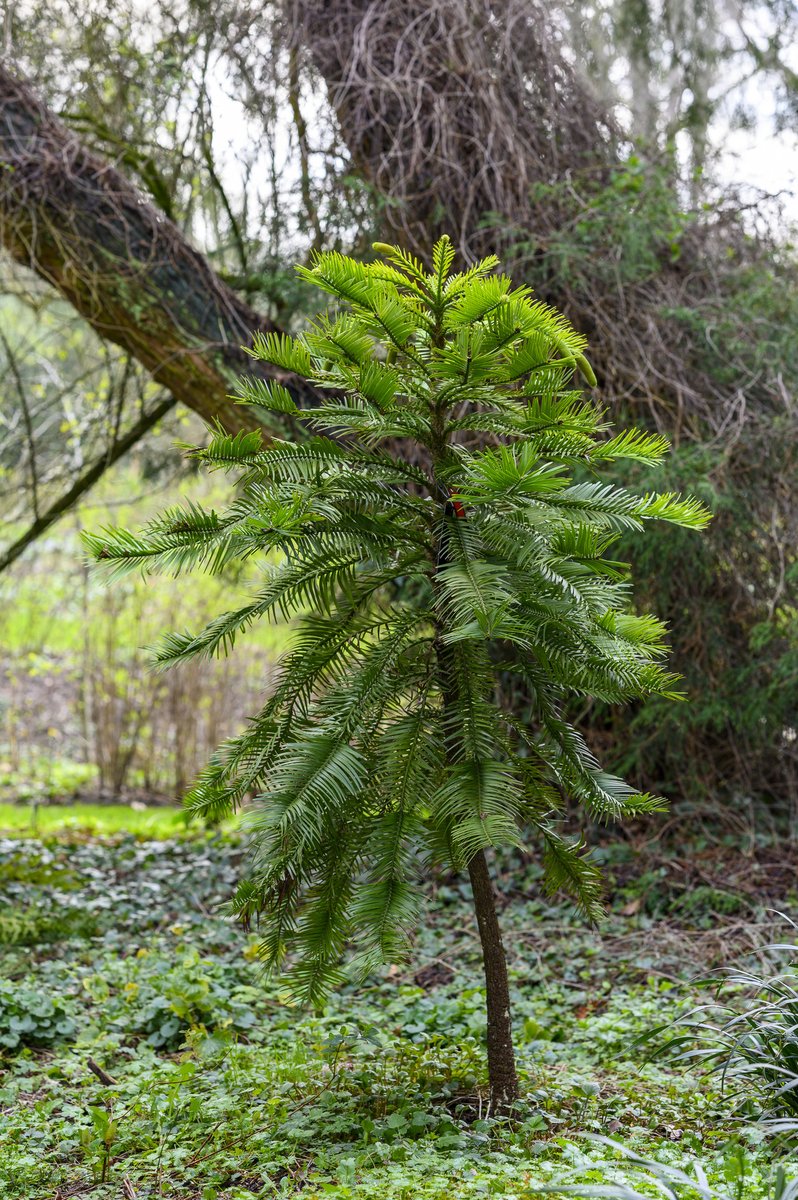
column 76, row 221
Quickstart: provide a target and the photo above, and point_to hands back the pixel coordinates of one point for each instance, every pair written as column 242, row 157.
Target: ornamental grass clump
column 747, row 1036
column 441, row 526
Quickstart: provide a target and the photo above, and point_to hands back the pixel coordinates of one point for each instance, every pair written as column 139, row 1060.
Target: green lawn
column 25, row 820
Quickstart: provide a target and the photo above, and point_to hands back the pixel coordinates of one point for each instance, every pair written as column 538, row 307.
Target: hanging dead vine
column 452, row 109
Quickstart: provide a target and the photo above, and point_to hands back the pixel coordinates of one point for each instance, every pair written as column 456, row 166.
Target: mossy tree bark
column 76, row 221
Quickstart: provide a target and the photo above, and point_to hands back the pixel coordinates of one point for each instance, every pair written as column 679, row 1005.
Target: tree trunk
column 501, row 1055
column 84, row 228
column 453, row 109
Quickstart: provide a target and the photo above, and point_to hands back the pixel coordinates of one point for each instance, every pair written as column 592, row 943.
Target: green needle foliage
column 442, row 525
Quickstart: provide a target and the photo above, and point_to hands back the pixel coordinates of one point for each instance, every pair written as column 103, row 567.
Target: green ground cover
column 114, row 951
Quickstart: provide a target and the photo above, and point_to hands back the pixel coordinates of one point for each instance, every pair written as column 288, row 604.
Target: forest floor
column 143, row 1054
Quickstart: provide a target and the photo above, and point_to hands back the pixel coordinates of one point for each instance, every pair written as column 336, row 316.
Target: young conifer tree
column 428, row 536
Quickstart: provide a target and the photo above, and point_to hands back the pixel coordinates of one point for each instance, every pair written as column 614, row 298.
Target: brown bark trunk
column 501, row 1055
column 83, row 227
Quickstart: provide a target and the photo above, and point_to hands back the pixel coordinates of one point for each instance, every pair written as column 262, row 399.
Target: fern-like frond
column 635, row 444
column 569, row 869
column 479, row 803
column 678, row 510
column 281, row 350
column 266, row 394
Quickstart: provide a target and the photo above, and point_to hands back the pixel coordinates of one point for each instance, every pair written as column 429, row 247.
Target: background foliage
column 82, row 711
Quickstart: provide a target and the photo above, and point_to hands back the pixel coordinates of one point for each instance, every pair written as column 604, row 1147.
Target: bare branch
column 85, row 481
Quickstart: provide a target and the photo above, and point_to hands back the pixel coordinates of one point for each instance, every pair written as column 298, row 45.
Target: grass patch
column 97, row 819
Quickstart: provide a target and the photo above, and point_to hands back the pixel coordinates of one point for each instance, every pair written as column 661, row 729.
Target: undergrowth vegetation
column 213, row 1086
column 33, row 818
column 747, row 1034
column 81, row 712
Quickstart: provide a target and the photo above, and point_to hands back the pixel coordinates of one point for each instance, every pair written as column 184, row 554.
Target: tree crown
column 440, row 531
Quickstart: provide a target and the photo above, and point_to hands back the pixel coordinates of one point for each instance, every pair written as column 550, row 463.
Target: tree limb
column 76, row 221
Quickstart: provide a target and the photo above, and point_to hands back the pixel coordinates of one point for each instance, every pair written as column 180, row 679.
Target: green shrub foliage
column 29, row 1017
column 748, row 1035
column 445, row 525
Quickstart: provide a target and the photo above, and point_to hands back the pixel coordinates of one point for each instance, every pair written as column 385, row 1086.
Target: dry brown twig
column 102, row 1075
